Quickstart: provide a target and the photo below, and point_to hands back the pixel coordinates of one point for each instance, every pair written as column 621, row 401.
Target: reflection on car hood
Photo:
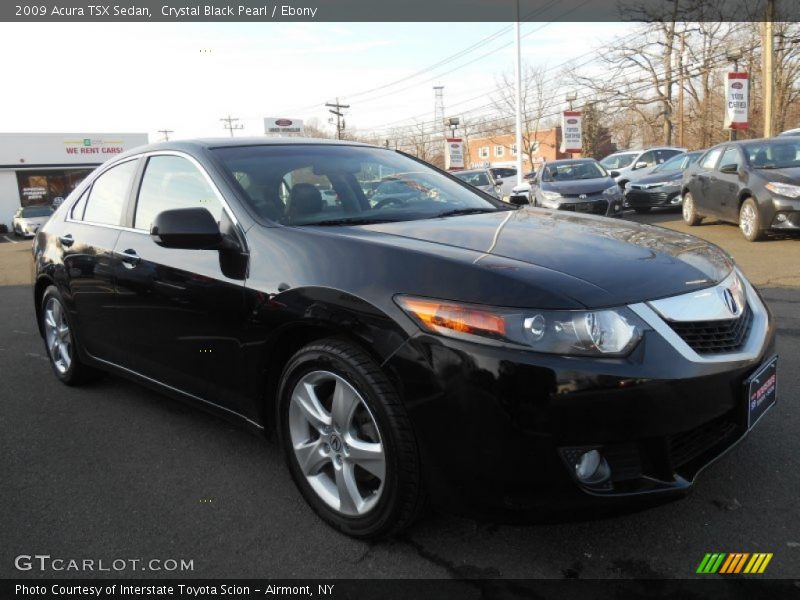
column 656, row 177
column 789, row 175
column 631, row 262
column 579, row 186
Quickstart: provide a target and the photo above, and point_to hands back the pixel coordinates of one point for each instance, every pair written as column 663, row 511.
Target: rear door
column 86, row 240
column 180, row 311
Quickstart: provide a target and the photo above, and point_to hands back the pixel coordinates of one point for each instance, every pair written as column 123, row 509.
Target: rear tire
column 750, row 221
column 348, row 441
column 690, row 216
column 61, row 342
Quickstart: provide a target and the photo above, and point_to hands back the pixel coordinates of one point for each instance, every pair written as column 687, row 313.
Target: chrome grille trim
column 751, row 348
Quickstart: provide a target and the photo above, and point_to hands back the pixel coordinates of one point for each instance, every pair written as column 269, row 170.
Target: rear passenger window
column 109, row 193
column 173, row 182
column 710, row 159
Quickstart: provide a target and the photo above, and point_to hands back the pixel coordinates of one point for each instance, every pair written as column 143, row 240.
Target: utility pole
column 680, row 88
column 336, row 109
column 166, row 133
column 768, row 68
column 518, row 91
column 230, row 123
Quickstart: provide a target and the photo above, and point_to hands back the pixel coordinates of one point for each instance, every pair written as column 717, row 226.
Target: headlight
column 662, row 184
column 784, row 189
column 606, row 332
column 550, row 199
column 614, row 190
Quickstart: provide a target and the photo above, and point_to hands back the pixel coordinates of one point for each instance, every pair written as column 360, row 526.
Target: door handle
column 129, row 258
column 66, row 240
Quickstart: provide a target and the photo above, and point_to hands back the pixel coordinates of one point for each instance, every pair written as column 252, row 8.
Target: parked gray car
column 481, row 179
column 628, row 165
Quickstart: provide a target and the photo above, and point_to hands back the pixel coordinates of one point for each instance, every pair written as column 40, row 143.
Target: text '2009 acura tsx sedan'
column 438, row 346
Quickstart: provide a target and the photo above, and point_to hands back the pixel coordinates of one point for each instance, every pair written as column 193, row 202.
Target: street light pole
column 518, row 77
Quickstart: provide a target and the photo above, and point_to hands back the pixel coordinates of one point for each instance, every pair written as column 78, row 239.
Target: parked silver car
column 507, row 178
column 28, row 219
column 627, row 165
column 481, row 179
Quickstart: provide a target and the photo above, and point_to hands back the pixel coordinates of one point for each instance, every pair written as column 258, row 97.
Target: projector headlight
column 614, row 190
column 606, row 332
column 550, row 199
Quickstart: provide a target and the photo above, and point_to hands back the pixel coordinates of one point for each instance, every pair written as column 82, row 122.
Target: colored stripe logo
column 734, row 563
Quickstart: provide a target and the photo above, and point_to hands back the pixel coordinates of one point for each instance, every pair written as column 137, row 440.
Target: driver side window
column 647, row 157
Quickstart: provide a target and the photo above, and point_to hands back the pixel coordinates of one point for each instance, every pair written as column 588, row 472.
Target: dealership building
column 40, row 168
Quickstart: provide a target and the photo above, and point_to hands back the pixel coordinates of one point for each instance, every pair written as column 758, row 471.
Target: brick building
column 499, row 150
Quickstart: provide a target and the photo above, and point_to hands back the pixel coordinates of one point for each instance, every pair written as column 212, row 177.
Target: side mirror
column 186, row 228
column 518, row 200
column 614, row 173
column 498, row 182
column 731, row 169
column 640, row 165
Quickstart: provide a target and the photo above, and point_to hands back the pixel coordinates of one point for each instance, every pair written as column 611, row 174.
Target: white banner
column 736, row 100
column 571, row 136
column 453, row 154
column 280, row 125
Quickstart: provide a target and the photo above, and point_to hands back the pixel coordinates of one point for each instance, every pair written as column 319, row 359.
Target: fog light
column 592, row 468
column 676, row 200
column 781, row 218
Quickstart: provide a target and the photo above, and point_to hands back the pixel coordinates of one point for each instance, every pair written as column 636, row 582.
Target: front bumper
column 784, row 214
column 499, row 428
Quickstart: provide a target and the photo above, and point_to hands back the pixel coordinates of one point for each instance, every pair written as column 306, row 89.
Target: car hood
column 788, row 175
column 657, row 177
column 583, row 186
column 624, row 262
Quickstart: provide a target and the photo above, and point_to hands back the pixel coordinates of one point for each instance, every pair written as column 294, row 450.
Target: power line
column 230, row 123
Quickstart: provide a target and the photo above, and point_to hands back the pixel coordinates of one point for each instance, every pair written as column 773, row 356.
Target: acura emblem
column 583, row 196
column 730, row 301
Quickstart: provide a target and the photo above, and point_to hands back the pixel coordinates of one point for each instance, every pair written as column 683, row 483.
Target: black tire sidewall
column 379, row 519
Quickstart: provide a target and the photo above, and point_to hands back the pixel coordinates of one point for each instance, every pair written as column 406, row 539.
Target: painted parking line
column 8, row 239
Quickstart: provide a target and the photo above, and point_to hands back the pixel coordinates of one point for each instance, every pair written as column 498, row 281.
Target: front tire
column 750, row 221
column 60, row 341
column 347, row 440
column 690, row 216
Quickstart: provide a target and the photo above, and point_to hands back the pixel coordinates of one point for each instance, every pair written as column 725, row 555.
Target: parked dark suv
column 438, row 344
column 754, row 183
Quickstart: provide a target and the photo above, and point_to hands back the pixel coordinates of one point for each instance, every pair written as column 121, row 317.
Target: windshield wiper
column 468, row 211
column 770, row 167
column 358, row 221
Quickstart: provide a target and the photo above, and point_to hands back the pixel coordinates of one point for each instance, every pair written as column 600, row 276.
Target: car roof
column 209, row 143
column 563, row 161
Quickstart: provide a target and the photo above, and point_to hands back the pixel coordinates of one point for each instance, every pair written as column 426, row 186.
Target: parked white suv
column 631, row 164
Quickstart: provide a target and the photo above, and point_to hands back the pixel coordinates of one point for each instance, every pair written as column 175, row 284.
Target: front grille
column 599, row 207
column 636, row 197
column 715, row 337
column 688, row 445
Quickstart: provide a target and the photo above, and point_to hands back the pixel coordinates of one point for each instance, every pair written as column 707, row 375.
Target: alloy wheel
column 337, row 443
column 747, row 220
column 57, row 335
column 688, row 207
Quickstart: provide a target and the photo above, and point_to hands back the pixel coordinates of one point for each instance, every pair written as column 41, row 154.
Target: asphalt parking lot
column 113, row 470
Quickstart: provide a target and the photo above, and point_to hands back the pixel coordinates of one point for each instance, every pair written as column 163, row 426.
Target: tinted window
column 731, row 157
column 108, row 194
column 407, row 189
column 710, row 159
column 617, row 161
column 503, row 172
column 476, row 179
column 173, row 182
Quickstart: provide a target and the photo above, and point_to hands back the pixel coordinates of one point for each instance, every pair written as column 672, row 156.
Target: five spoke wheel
column 337, row 443
column 57, row 335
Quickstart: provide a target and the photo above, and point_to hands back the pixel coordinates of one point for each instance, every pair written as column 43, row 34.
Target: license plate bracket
column 762, row 388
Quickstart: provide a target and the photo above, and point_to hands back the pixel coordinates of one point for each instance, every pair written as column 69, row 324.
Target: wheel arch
column 42, row 283
column 744, row 194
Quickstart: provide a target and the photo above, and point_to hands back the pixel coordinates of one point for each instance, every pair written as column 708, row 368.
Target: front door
column 725, row 189
column 180, row 311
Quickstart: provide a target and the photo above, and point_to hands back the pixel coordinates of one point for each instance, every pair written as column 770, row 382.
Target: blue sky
column 186, row 76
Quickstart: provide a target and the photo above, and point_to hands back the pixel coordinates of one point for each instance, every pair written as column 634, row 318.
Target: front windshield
column 573, row 171
column 282, row 183
column 618, row 161
column 36, row 211
column 774, row 154
column 476, row 178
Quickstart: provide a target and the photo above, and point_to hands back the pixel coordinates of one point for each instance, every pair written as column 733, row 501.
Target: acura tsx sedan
column 439, row 346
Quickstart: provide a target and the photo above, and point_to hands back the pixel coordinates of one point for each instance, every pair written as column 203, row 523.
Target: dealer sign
column 736, row 101
column 283, row 125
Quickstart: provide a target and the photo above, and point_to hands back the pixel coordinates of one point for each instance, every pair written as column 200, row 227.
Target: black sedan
column 441, row 346
column 578, row 185
column 662, row 186
column 754, row 183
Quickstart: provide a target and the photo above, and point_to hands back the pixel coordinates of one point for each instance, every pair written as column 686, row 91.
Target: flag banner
column 571, row 137
column 736, row 101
